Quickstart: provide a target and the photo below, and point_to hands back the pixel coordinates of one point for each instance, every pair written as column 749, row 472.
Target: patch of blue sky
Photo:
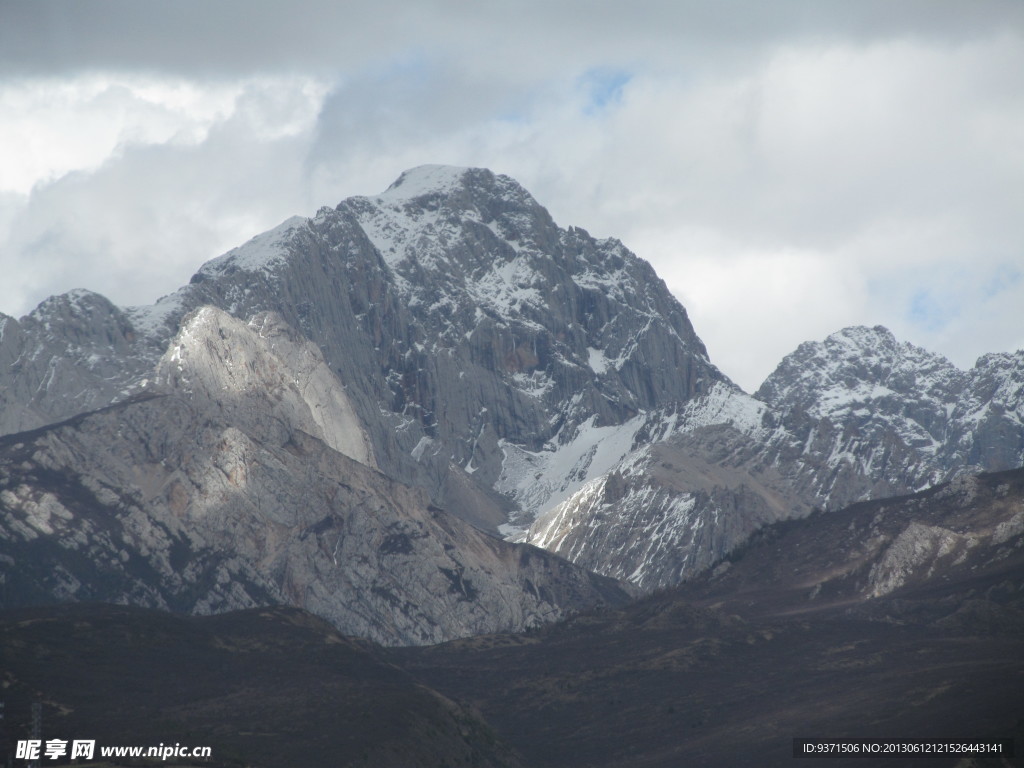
column 603, row 88
column 931, row 311
column 1002, row 279
column 410, row 64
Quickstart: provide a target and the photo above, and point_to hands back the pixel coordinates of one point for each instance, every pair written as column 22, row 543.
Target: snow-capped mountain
column 885, row 417
column 534, row 380
column 858, row 416
column 464, row 324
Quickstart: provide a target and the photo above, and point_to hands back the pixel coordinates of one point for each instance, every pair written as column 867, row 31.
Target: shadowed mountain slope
column 270, row 687
column 901, row 619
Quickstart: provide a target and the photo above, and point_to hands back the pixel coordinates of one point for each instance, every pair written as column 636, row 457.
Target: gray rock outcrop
column 239, row 477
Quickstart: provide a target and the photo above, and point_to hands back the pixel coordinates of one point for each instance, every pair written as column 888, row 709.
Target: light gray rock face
column 264, row 378
column 241, row 477
column 917, row 546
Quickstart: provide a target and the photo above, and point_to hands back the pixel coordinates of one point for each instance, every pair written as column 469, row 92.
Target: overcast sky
column 788, row 167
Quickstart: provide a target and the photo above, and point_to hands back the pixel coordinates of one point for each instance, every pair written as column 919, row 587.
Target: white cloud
column 750, row 305
column 150, row 178
column 787, row 172
column 60, row 125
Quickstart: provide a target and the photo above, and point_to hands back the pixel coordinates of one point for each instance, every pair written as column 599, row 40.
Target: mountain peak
column 77, row 300
column 260, row 253
column 875, row 353
column 863, row 336
column 855, row 365
column 461, row 188
column 429, row 179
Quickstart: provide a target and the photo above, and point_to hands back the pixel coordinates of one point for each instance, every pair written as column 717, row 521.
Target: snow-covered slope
column 661, row 497
column 986, row 428
column 865, row 376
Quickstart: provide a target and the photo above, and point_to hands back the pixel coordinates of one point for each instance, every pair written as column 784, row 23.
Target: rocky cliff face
column 463, row 319
column 877, row 417
column 241, row 476
column 529, row 379
column 670, row 509
column 858, row 416
column 666, row 494
column 986, row 429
